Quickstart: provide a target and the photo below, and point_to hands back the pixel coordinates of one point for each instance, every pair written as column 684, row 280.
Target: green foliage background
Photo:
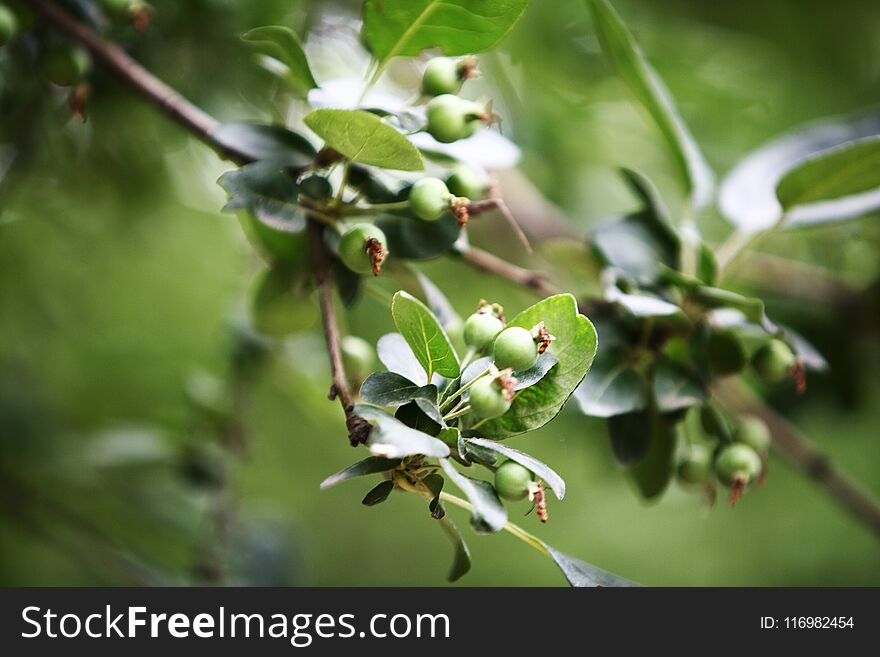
column 118, row 278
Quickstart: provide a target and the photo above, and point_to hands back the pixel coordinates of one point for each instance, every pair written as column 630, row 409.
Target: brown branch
column 492, row 264
column 801, row 453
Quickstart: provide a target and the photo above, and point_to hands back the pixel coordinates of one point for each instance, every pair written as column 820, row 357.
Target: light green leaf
column 846, row 170
column 395, row 28
column 283, row 44
column 425, row 336
column 748, row 197
column 488, row 515
column 364, row 137
column 630, row 64
column 574, row 349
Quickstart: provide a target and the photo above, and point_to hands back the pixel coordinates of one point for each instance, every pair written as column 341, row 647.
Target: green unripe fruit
column 467, row 182
column 487, row 399
column 696, row 466
column 317, row 188
column 358, row 357
column 274, row 244
column 512, row 481
column 773, row 361
column 755, row 433
column 118, row 9
column 441, row 77
column 481, row 329
column 450, row 118
column 727, row 353
column 515, row 348
column 429, row 199
column 65, row 65
column 738, row 464
column 8, row 25
column 355, row 246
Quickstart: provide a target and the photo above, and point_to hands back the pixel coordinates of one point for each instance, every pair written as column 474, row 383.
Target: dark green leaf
column 396, row 355
column 581, row 574
column 541, row 470
column 574, row 349
column 370, row 465
column 611, row 388
column 404, row 28
column 391, row 389
column 434, row 483
column 714, row 297
column 488, row 515
column 461, row 563
column 364, row 137
column 676, row 388
column 378, row 494
column 254, row 141
column 430, row 409
column 413, row 239
column 654, row 470
column 638, row 244
column 630, row 436
column 470, row 453
column 748, row 195
column 425, row 336
column 413, row 416
column 283, row 44
column 267, row 193
column 393, row 439
column 649, row 195
column 630, row 64
column 811, row 356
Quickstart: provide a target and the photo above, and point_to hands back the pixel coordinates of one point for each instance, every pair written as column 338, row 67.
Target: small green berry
column 362, row 248
column 487, row 399
column 8, row 25
column 755, row 433
column 315, row 187
column 358, row 357
column 696, row 466
column 65, row 65
column 515, row 348
column 467, row 182
column 481, row 329
column 441, row 76
column 429, row 199
column 773, row 361
column 450, row 118
column 738, row 465
column 727, row 353
column 512, row 481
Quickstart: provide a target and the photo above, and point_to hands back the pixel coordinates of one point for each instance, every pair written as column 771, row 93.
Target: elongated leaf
column 378, row 494
column 425, row 336
column 675, row 388
column 267, row 193
column 390, row 389
column 630, row 64
column 364, row 137
column 283, row 44
column 395, row 28
column 489, row 515
column 392, row 439
column 370, row 465
column 714, row 297
column 647, row 191
column 574, row 349
column 639, row 244
column 845, row 170
column 437, row 302
column 654, row 470
column 581, row 574
column 611, row 388
column 461, row 562
column 541, row 470
column 255, row 141
column 396, row 355
column 642, row 305
column 630, row 436
column 748, row 193
column 414, row 239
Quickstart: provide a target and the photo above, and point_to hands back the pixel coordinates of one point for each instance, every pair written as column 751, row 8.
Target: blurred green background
column 120, row 279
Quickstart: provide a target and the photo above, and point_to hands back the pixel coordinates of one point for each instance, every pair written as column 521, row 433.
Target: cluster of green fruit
column 773, row 362
column 513, row 349
column 736, row 462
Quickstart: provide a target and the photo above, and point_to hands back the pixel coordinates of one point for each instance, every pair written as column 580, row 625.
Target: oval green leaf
column 364, row 137
column 423, row 333
column 611, row 388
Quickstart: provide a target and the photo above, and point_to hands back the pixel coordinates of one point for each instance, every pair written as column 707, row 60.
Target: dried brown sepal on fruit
column 737, row 489
column 78, row 101
column 141, row 16
column 542, row 337
column 798, row 372
column 459, row 207
column 538, row 497
column 377, row 253
column 467, row 68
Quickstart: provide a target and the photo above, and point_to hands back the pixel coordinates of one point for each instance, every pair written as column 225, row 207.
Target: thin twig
column 490, row 263
column 801, row 453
